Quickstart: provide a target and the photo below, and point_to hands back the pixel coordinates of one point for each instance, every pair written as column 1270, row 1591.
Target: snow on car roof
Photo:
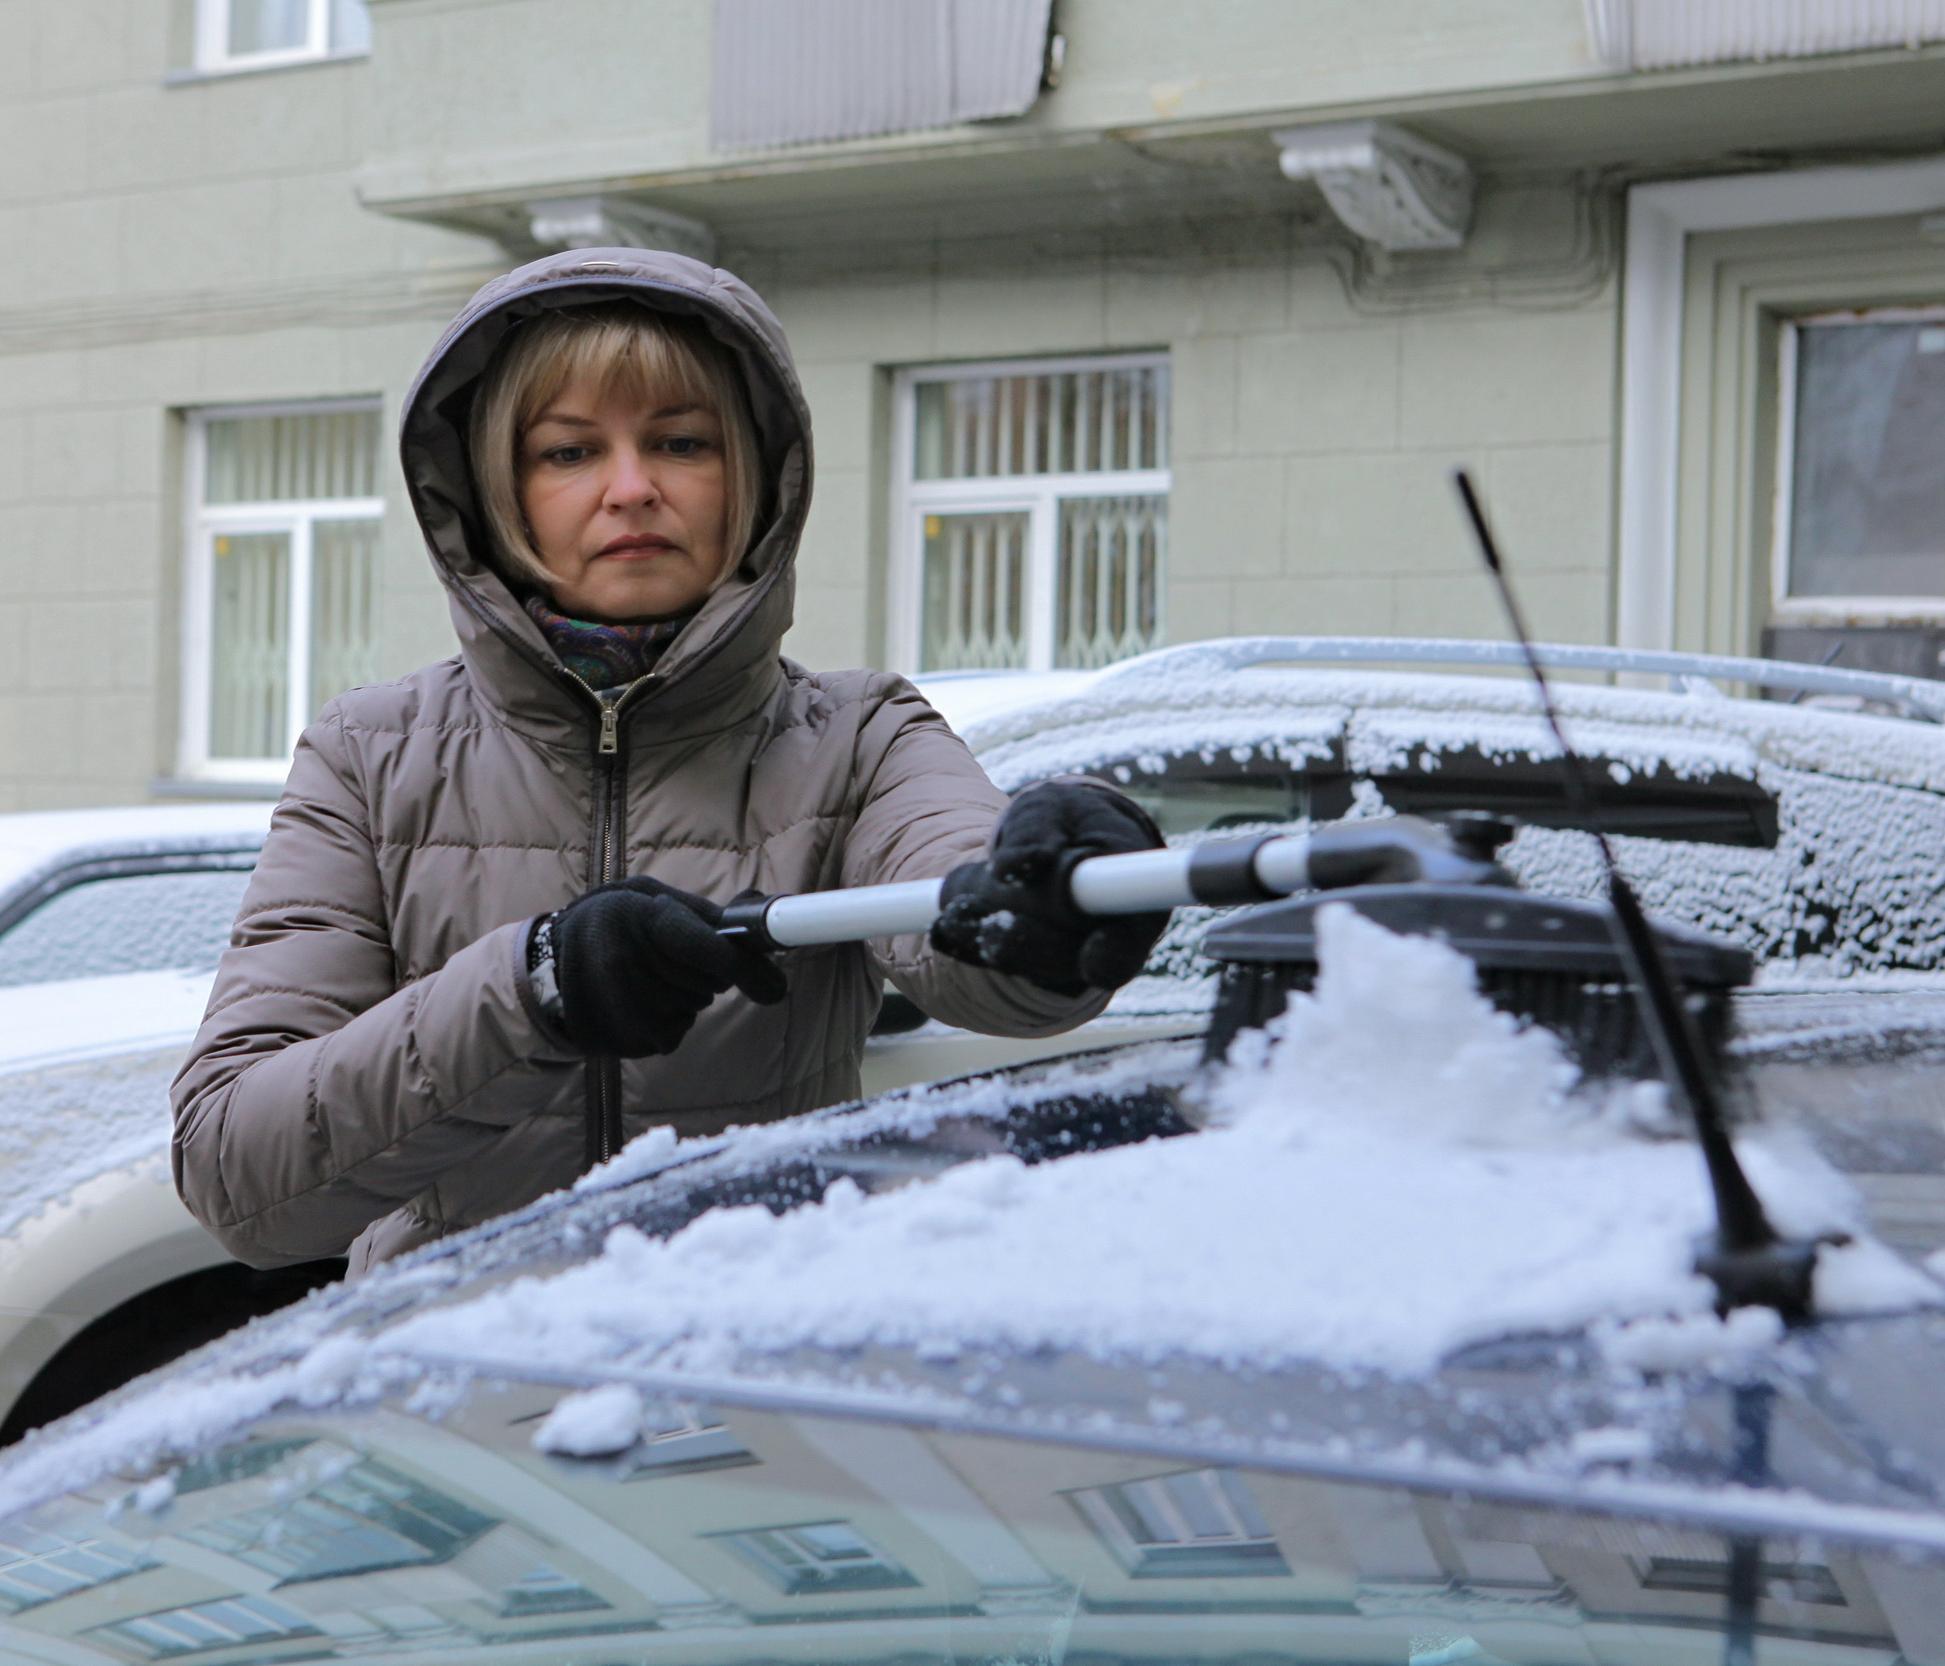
column 32, row 841
column 1355, row 1202
column 963, row 698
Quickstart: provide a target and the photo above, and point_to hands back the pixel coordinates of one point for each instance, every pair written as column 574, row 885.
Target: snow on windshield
column 1393, row 1173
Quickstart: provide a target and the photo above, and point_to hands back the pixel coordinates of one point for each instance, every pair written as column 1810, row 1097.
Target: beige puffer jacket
column 371, row 1074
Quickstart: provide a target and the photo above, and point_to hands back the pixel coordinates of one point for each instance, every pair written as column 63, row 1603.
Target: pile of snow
column 1394, row 1171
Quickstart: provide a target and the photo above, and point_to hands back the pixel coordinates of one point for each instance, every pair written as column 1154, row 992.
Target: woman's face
column 626, row 502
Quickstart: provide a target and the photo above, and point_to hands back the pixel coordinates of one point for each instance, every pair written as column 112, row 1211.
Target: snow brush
column 1251, row 868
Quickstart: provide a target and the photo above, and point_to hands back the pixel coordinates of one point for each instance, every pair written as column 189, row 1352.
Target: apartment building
column 1123, row 323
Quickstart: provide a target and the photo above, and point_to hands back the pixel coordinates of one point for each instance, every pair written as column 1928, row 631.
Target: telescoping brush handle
column 1222, row 872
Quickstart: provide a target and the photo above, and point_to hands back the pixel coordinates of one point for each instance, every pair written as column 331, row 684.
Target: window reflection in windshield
column 832, row 1540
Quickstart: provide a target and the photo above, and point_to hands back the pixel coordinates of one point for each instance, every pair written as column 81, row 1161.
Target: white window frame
column 297, row 519
column 1786, row 609
column 1168, row 1558
column 213, row 55
column 1037, row 495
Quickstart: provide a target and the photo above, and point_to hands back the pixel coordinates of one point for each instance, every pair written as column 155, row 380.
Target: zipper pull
column 610, row 741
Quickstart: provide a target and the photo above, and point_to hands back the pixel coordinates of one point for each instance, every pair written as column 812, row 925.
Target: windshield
column 606, row 1525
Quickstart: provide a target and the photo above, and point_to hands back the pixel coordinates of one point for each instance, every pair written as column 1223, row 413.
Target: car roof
column 1535, row 1414
column 33, row 842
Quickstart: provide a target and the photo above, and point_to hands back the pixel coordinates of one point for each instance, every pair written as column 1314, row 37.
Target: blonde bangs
column 628, row 352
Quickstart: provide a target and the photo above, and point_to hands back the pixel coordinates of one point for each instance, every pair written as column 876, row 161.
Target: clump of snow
column 1479, row 1078
column 594, row 1423
column 1396, row 1171
column 1689, row 1341
column 1864, row 1276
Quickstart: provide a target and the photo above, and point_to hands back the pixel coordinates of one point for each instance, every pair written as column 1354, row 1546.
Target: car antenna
column 1750, row 1263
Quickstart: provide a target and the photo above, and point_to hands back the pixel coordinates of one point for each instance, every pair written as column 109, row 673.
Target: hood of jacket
column 725, row 662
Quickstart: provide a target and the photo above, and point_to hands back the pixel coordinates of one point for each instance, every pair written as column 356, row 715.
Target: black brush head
column 1547, row 960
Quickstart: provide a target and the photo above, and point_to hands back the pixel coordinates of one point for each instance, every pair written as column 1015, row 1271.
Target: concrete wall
column 1318, row 412
column 459, row 108
column 169, row 241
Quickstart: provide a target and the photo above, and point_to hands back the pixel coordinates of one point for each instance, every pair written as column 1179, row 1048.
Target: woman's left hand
column 1013, row 912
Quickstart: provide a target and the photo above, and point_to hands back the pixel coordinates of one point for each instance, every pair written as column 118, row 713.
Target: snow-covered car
column 1808, row 835
column 1345, row 1350
column 111, row 923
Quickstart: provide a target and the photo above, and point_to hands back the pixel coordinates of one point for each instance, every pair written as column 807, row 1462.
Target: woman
column 478, row 952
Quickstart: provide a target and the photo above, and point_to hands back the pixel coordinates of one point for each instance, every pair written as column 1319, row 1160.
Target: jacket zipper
column 604, row 1074
column 610, row 830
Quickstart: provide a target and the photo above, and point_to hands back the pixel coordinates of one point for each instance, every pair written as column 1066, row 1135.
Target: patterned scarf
column 605, row 656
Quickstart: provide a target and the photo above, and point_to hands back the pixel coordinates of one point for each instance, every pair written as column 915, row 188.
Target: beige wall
column 168, row 243
column 1318, row 413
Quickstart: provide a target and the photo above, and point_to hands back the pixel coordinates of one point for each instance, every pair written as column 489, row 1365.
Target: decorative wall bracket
column 606, row 222
column 1388, row 185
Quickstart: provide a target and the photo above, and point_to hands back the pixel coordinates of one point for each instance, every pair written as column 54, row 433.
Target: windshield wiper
column 1750, row 1263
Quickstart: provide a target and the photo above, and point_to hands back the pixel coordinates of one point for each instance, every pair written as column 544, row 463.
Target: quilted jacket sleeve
column 318, row 1095
column 926, row 807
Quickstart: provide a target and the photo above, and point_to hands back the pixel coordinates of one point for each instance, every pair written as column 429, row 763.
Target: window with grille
column 1195, row 1524
column 208, row 1625
column 819, row 1556
column 37, row 1567
column 368, row 1518
column 1032, row 515
column 282, row 592
column 261, row 34
column 684, row 1439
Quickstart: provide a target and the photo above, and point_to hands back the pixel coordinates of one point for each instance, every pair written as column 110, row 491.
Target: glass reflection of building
column 384, row 1538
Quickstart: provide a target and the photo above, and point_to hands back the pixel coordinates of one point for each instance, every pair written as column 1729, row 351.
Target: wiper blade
column 1750, row 1263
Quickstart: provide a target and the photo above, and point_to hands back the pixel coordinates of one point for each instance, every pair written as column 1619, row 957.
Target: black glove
column 637, row 960
column 1012, row 912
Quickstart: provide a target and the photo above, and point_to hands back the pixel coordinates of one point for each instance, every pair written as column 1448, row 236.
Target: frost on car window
column 132, row 923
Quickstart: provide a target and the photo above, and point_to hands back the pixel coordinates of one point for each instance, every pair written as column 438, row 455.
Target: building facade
column 1122, row 323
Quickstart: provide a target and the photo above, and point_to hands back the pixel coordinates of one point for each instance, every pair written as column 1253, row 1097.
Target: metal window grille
column 37, row 1567
column 209, row 1625
column 1199, row 1523
column 1033, row 513
column 370, row 1517
column 804, row 71
column 283, row 579
column 687, row 1438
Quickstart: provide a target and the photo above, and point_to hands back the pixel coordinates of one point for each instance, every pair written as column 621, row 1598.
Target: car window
column 1208, row 791
column 554, row 1526
column 148, row 922
column 1197, row 792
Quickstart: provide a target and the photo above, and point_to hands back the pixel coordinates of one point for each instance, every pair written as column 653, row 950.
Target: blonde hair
column 625, row 350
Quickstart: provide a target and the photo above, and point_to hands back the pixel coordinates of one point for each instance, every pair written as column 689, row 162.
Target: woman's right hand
column 636, row 961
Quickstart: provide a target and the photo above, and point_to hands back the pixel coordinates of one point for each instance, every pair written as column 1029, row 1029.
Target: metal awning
column 806, row 71
column 1673, row 34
